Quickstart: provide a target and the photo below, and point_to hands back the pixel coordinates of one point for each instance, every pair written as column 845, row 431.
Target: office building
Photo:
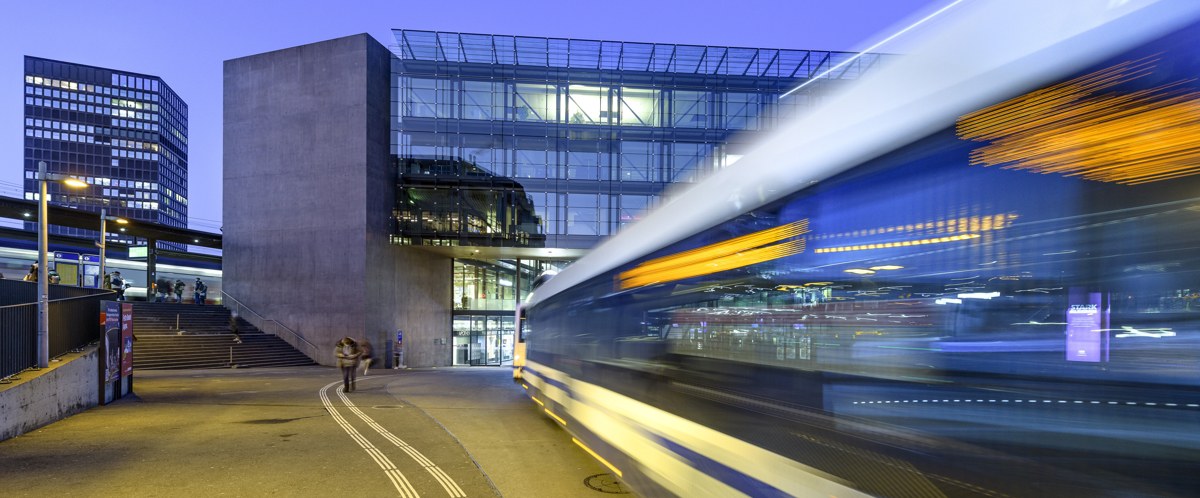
column 443, row 176
column 123, row 133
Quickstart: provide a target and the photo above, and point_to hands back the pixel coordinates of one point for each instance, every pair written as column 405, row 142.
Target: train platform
column 449, row 432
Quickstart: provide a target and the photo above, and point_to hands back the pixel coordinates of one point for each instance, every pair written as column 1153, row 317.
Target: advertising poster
column 112, row 341
column 1087, row 320
column 126, row 339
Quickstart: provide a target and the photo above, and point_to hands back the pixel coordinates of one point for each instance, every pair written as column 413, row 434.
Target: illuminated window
column 639, row 107
column 535, row 103
column 589, row 105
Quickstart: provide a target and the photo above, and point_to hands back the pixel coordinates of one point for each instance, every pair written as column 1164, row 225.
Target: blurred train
column 976, row 273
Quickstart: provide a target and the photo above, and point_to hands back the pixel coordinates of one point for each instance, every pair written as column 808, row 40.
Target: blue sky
column 186, row 42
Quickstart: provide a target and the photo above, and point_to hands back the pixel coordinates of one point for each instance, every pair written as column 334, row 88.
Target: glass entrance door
column 481, row 340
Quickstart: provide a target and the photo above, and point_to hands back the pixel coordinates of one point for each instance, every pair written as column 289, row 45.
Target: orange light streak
column 727, row 255
column 1083, row 128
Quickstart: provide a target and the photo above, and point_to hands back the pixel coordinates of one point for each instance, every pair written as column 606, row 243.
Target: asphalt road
column 449, row 433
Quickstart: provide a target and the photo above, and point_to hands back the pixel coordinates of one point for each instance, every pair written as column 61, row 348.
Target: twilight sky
column 185, row 43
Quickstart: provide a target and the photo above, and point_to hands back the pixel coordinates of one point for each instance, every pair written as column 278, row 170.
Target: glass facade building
column 123, row 133
column 524, row 142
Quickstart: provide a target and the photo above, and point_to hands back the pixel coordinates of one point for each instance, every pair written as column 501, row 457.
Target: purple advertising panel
column 112, row 341
column 126, row 339
column 1087, row 322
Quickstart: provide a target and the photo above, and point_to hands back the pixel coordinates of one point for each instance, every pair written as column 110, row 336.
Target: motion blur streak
column 670, row 447
column 904, row 243
column 1037, row 335
column 733, row 253
column 1074, row 129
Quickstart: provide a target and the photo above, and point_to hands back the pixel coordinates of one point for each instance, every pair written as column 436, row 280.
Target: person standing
column 179, row 290
column 32, row 276
column 162, row 290
column 347, row 354
column 118, row 284
column 200, row 290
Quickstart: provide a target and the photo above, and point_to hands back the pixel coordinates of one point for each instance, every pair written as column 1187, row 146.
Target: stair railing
column 270, row 326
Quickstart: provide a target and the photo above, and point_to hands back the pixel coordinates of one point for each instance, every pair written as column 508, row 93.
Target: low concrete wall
column 68, row 387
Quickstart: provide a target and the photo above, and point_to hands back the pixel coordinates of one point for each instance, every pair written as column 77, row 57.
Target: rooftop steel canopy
column 626, row 56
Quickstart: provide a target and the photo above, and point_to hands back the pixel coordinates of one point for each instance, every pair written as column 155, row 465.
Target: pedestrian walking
column 233, row 327
column 162, row 290
column 179, row 286
column 347, row 354
column 32, row 276
column 200, row 290
column 365, row 347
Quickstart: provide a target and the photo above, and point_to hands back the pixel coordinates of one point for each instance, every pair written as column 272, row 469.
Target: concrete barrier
column 68, row 387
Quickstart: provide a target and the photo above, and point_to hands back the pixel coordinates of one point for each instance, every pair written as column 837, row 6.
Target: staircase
column 202, row 339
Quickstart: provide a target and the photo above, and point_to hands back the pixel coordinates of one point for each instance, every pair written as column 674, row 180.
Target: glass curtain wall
column 485, row 295
column 506, row 141
column 583, row 135
column 124, row 134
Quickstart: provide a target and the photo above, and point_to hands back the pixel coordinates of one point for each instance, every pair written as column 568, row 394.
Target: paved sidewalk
column 414, row 433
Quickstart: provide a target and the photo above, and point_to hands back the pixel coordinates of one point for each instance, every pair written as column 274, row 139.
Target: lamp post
column 43, row 334
column 104, row 219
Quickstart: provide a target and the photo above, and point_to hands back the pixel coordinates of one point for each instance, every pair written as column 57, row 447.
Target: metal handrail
column 263, row 320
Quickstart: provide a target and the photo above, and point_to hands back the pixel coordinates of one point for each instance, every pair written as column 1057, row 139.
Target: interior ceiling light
column 978, row 295
column 904, row 243
column 886, row 267
column 860, row 271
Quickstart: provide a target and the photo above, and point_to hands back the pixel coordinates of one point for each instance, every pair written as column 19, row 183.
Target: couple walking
column 349, row 355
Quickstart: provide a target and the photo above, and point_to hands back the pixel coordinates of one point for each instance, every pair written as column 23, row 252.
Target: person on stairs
column 233, row 328
column 200, row 290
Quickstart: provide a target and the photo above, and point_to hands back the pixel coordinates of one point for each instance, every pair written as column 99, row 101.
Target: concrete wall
column 309, row 190
column 68, row 387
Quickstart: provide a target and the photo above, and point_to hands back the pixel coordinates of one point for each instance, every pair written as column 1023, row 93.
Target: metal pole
column 103, row 241
column 43, row 334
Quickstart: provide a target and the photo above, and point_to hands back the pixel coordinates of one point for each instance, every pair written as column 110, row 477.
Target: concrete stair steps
column 218, row 353
column 182, row 316
column 192, row 331
column 183, row 324
column 193, row 328
column 171, row 323
column 203, row 340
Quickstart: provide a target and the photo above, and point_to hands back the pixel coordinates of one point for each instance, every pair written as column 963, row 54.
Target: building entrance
column 485, row 297
column 481, row 340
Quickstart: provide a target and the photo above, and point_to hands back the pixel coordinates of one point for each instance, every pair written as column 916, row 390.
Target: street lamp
column 43, row 247
column 104, row 219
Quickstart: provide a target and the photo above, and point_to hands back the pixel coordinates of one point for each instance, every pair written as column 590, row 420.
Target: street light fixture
column 43, row 247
